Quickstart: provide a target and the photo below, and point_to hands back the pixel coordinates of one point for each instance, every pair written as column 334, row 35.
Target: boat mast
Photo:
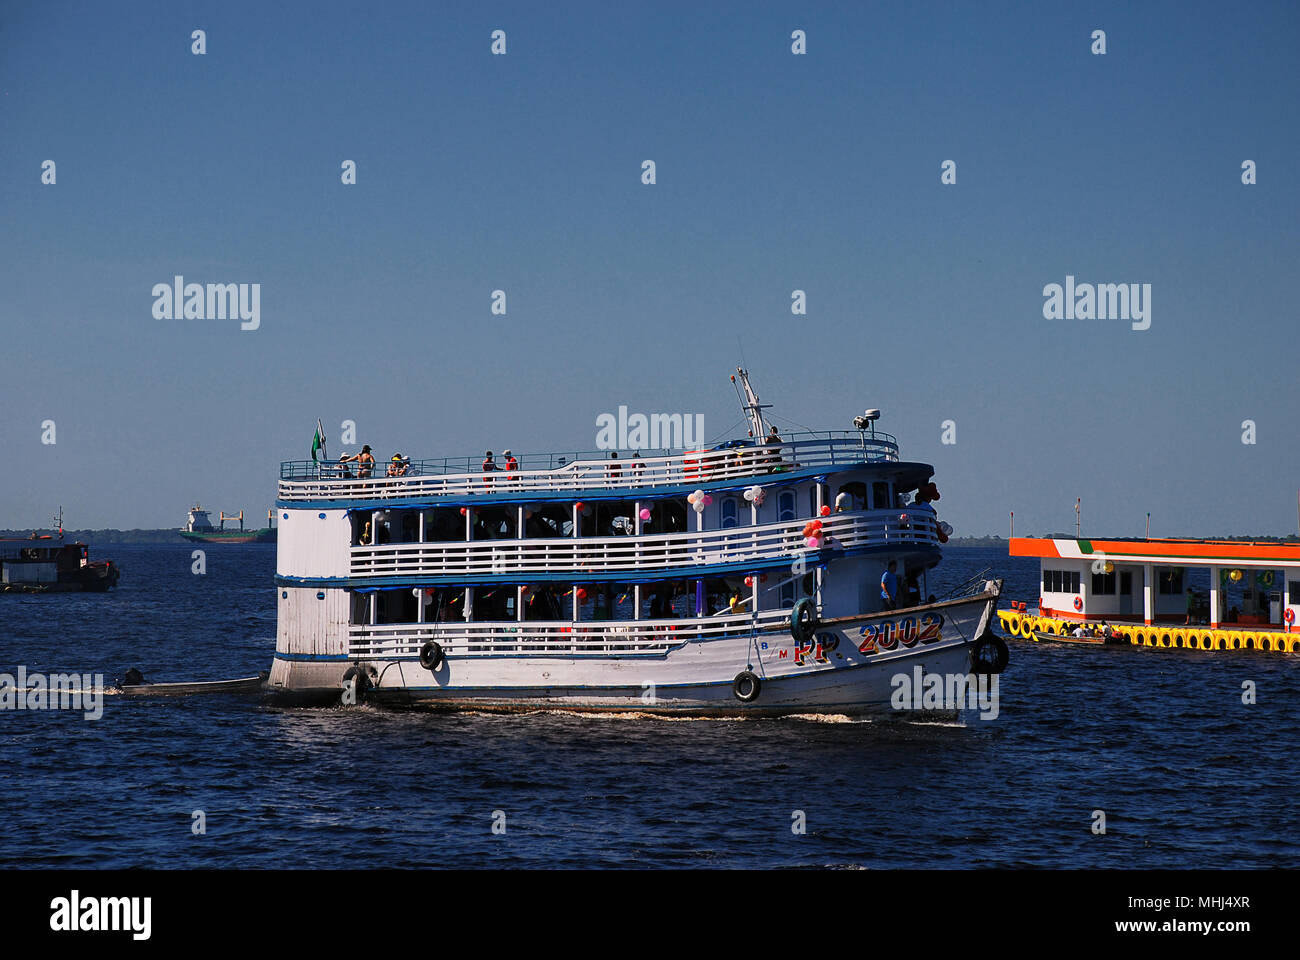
column 753, row 409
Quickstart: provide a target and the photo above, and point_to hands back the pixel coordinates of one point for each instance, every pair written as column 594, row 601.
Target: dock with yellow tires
column 1024, row 625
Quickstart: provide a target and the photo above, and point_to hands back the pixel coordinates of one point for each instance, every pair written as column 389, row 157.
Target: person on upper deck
column 511, row 463
column 489, row 466
column 398, row 466
column 615, row 468
column 889, row 585
column 773, row 459
column 365, row 462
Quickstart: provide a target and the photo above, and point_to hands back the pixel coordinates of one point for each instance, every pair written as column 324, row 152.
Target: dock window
column 1103, row 584
column 1061, row 581
column 1171, row 580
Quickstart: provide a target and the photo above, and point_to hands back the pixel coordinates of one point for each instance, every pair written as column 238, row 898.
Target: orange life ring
column 1078, row 603
column 1289, row 616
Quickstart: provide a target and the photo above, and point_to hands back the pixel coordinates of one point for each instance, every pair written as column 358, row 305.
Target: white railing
column 402, row 641
column 631, row 553
column 312, row 481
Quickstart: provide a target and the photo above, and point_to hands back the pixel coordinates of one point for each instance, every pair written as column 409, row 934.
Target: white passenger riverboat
column 740, row 579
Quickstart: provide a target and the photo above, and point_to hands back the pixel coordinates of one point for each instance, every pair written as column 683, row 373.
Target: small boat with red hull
column 46, row 563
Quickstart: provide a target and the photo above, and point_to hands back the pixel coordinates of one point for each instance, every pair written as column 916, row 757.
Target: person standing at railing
column 489, row 467
column 511, row 466
column 365, row 462
column 889, row 586
column 615, row 468
column 773, row 458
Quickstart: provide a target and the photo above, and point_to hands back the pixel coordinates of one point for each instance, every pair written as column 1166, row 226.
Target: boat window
column 857, row 491
column 442, row 524
column 730, row 512
column 496, row 602
column 544, row 602
column 880, row 499
column 785, row 505
column 787, row 595
column 1171, row 580
column 395, row 606
column 1293, row 590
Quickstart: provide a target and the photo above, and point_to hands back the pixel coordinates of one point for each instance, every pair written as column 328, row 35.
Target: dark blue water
column 1188, row 776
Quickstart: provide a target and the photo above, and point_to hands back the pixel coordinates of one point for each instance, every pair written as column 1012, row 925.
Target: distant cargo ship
column 44, row 563
column 199, row 528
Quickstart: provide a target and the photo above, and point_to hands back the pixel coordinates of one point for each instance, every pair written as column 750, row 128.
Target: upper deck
column 589, row 473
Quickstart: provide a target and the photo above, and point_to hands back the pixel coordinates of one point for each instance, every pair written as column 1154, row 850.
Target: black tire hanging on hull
column 990, row 654
column 431, row 656
column 746, row 686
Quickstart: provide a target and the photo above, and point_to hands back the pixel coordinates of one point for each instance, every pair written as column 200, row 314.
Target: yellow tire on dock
column 1011, row 624
column 1264, row 642
column 1027, row 628
column 1060, row 628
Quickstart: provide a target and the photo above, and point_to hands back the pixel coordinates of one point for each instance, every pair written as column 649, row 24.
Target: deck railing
column 312, row 480
column 653, row 552
column 402, row 641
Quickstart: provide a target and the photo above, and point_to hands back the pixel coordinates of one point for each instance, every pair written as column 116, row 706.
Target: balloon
column 582, row 595
column 749, row 493
column 699, row 506
column 813, row 543
column 825, row 511
column 524, row 588
column 708, row 499
column 645, row 513
column 816, row 524
column 464, row 512
column 579, row 505
column 427, row 600
column 749, row 581
column 528, row 514
column 698, row 495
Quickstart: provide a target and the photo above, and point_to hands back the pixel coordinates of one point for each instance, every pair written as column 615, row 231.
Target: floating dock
column 1141, row 590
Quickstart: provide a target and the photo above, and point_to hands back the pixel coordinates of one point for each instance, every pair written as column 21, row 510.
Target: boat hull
column 849, row 666
column 265, row 535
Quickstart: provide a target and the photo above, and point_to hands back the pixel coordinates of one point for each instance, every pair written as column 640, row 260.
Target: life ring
column 431, row 655
column 1289, row 616
column 803, row 620
column 1078, row 603
column 989, row 654
column 746, row 686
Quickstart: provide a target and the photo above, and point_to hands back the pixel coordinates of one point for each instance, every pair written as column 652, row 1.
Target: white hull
column 848, row 668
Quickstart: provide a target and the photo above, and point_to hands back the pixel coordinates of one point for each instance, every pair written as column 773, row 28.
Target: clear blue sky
column 775, row 172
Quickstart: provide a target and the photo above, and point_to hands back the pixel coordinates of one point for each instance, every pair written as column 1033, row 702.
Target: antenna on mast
column 753, row 409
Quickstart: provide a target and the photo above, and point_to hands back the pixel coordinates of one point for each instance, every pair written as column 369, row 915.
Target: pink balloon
column 813, row 543
column 645, row 513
